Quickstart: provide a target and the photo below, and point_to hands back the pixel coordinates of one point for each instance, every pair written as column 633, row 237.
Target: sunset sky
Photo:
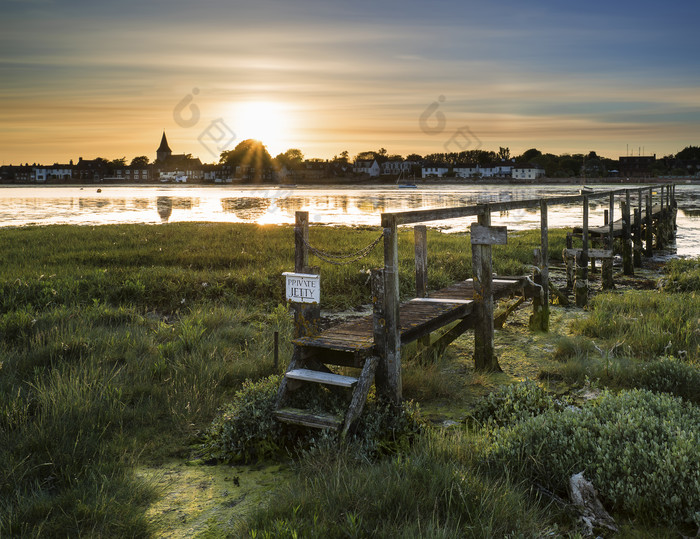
column 85, row 78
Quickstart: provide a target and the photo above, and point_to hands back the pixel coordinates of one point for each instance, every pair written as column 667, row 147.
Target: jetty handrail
column 441, row 214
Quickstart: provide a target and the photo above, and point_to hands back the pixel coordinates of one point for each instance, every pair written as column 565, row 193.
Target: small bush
column 246, row 430
column 670, row 375
column 683, row 275
column 640, row 450
column 513, row 403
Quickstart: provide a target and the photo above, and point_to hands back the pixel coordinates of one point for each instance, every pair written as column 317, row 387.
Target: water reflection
column 164, row 205
column 246, row 209
column 329, row 205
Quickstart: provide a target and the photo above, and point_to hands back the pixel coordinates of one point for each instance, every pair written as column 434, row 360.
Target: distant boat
column 405, row 184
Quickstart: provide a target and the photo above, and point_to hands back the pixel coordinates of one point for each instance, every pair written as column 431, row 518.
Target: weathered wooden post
column 649, row 224
column 568, row 263
column 543, row 278
column 482, row 237
column 420, row 244
column 379, row 322
column 660, row 232
column 581, row 283
column 611, row 222
column 627, row 261
column 420, row 240
column 301, row 241
column 638, row 246
column 637, row 251
column 306, row 315
column 389, row 371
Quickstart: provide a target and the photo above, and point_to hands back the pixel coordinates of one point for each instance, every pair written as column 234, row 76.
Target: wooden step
column 295, row 416
column 308, row 375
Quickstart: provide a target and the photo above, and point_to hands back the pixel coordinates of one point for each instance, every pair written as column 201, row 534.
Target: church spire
column 163, row 151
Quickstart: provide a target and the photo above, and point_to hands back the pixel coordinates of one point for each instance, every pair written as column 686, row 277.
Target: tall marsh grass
column 118, row 344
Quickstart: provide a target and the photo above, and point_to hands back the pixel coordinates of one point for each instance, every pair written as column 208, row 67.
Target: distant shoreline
column 373, row 182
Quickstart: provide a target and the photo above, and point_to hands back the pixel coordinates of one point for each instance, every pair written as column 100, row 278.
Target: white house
column 397, row 167
column 497, row 170
column 434, row 170
column 466, row 171
column 370, row 167
column 527, row 172
column 56, row 172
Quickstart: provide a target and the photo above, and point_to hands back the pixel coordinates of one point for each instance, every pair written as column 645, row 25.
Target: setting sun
column 267, row 121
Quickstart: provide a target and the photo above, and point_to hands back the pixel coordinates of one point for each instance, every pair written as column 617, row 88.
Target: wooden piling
column 627, row 259
column 389, row 370
column 420, row 238
column 581, row 280
column 544, row 264
column 649, row 224
column 484, row 357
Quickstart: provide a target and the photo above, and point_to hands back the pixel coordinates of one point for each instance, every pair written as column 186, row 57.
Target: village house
column 466, row 171
column 434, row 170
column 53, row 173
column 497, row 170
column 369, row 167
column 527, row 171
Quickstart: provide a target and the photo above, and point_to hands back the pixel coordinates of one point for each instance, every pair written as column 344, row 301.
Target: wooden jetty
column 373, row 343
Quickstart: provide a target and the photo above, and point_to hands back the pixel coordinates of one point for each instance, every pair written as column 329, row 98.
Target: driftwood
column 584, row 497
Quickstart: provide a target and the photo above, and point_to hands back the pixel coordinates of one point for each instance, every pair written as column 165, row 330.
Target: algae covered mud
column 21, row 206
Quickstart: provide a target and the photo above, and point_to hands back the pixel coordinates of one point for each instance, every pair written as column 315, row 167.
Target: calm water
column 21, row 206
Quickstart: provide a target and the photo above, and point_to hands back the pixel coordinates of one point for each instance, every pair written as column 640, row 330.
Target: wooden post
column 611, row 222
column 306, row 315
column 581, row 283
column 379, row 322
column 420, row 239
column 627, row 261
column 649, row 223
column 390, row 370
column 301, row 240
column 637, row 250
column 484, row 358
column 568, row 263
column 544, row 265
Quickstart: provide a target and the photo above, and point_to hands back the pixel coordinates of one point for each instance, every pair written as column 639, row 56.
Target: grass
column 120, row 344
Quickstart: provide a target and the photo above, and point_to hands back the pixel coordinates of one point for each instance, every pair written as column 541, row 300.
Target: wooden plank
column 359, row 396
column 318, row 377
column 488, row 235
column 304, row 418
column 441, row 300
column 592, row 253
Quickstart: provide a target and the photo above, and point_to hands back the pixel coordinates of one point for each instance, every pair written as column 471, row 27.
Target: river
column 334, row 205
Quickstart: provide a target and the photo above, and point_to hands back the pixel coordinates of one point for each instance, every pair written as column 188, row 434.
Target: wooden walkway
column 618, row 225
column 417, row 318
column 373, row 343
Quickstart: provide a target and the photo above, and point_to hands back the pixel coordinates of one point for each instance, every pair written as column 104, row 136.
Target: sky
column 86, row 78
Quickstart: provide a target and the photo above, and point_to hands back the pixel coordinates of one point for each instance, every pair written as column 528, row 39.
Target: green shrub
column 513, row 403
column 670, row 375
column 246, row 430
column 640, row 450
column 683, row 275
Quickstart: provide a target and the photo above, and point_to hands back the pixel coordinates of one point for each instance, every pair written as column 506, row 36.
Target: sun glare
column 267, row 121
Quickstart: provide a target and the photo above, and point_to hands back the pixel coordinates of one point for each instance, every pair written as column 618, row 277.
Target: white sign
column 303, row 287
